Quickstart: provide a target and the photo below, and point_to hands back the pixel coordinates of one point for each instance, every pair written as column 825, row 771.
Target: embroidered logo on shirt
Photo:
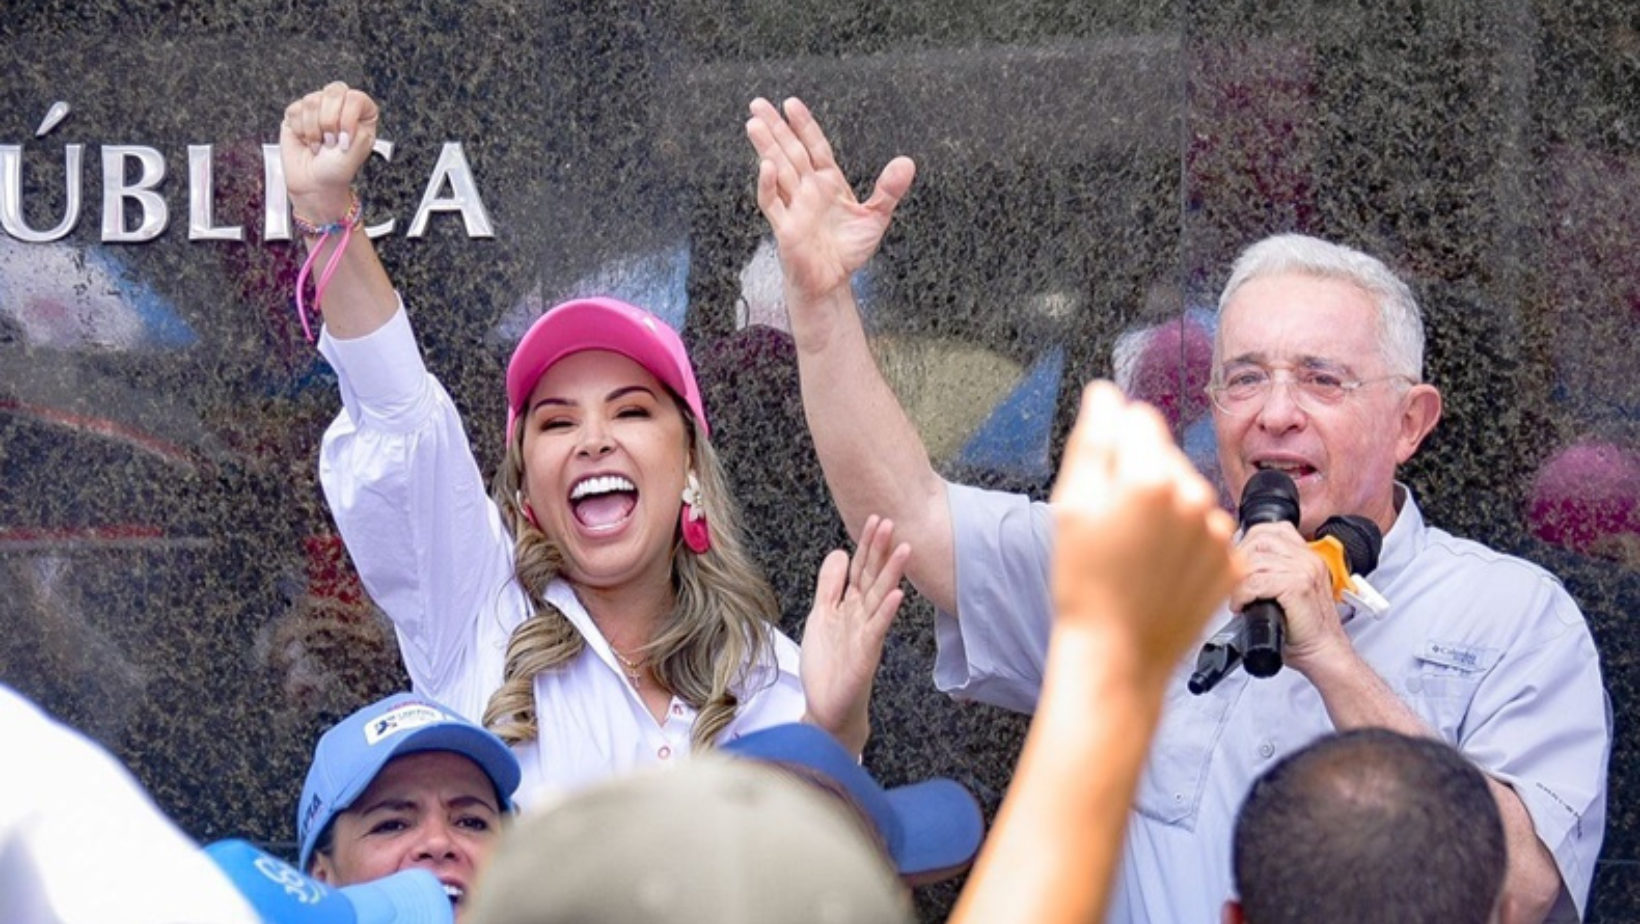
column 1457, row 655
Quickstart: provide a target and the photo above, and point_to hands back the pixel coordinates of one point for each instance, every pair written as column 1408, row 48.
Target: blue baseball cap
column 350, row 754
column 931, row 829
column 281, row 895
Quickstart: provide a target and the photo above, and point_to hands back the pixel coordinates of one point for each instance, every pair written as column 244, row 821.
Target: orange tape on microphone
column 1332, row 552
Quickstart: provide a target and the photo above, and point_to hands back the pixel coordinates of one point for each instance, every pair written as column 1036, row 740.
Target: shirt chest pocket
column 1171, row 788
column 1443, row 679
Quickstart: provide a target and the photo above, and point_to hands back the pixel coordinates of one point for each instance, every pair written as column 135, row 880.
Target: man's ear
column 1420, row 411
column 1231, row 913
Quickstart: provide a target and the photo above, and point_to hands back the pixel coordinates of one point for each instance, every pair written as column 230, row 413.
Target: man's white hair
column 1400, row 323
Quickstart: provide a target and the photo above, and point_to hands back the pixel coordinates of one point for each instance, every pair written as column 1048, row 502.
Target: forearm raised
column 872, row 455
column 873, row 458
column 1052, row 854
column 323, row 142
column 1141, row 558
column 358, row 298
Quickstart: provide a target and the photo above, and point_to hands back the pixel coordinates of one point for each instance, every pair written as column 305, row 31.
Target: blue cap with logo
column 349, row 756
column 931, row 829
column 281, row 895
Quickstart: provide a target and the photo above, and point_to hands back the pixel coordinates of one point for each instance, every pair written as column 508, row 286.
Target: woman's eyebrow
column 625, row 390
column 475, row 799
column 390, row 803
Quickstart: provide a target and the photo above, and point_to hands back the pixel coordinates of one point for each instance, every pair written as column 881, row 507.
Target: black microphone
column 1269, row 497
column 1358, row 542
column 1362, row 541
column 1220, row 655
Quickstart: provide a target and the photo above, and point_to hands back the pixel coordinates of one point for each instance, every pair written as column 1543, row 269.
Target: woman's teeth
column 603, row 484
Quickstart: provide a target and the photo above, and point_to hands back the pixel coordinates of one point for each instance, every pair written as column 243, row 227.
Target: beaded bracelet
column 344, row 227
column 355, row 208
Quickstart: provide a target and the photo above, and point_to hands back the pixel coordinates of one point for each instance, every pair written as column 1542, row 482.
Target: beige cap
column 714, row 841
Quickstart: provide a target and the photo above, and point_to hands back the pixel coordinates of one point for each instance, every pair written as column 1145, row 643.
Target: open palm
column 824, row 232
column 855, row 601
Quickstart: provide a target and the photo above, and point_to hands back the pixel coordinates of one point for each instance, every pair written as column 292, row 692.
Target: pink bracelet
column 345, row 226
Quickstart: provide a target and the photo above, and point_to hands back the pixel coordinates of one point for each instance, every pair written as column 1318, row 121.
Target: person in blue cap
column 405, row 783
column 139, row 867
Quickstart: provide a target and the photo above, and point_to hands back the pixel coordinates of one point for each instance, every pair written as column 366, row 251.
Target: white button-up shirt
column 431, row 550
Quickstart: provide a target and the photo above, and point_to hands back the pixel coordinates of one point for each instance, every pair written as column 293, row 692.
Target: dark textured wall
column 171, row 579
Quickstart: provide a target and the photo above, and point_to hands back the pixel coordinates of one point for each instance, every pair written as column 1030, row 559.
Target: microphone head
column 1361, row 538
column 1269, row 497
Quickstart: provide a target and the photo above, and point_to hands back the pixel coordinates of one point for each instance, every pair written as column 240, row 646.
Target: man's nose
column 1282, row 409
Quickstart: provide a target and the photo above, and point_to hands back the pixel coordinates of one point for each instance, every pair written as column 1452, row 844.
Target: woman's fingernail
column 330, row 139
column 345, row 140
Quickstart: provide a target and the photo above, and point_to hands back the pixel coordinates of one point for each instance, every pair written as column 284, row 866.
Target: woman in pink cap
column 596, row 608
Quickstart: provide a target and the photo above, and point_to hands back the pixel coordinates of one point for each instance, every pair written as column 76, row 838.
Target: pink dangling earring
column 525, row 508
column 693, row 518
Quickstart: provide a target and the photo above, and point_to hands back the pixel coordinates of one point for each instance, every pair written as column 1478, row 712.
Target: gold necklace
column 632, row 669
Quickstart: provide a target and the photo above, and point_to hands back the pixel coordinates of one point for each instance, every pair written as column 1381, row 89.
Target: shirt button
column 664, row 752
column 1266, row 750
column 677, row 709
column 1415, row 685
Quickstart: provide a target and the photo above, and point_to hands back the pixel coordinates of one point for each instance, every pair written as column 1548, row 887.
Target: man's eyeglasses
column 1244, row 389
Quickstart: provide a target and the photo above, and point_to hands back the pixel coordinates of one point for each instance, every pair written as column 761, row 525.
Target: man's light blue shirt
column 1488, row 650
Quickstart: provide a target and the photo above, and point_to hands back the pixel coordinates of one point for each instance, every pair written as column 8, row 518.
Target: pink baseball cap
column 600, row 324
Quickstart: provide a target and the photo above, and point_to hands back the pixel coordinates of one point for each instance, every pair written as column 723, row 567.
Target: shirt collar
column 1403, row 542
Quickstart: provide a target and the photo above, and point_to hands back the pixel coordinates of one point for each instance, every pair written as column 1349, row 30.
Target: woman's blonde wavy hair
column 721, row 625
